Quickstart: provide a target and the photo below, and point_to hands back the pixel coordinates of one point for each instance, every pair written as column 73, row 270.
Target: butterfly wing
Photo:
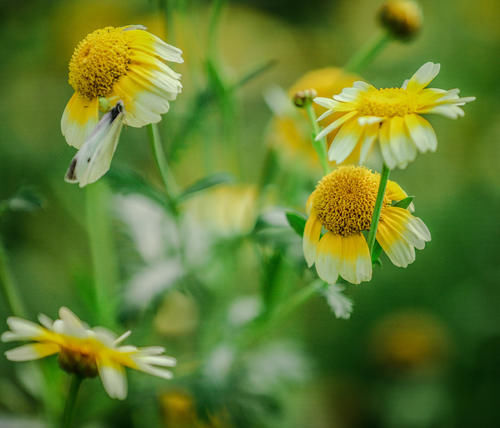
column 94, row 157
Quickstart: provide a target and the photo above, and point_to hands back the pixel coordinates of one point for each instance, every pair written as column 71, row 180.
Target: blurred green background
column 423, row 344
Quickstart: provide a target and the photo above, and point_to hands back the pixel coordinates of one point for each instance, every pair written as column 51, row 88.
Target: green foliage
column 296, row 221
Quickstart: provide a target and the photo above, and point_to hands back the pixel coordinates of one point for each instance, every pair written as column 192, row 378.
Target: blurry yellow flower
column 85, row 351
column 179, row 411
column 122, row 72
column 342, row 205
column 409, row 339
column 292, row 135
column 390, row 117
column 402, row 18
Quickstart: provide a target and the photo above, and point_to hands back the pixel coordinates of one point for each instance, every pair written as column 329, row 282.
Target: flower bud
column 301, row 98
column 402, row 18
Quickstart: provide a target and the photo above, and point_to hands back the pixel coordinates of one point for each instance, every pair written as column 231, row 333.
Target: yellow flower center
column 98, row 62
column 386, row 102
column 344, row 200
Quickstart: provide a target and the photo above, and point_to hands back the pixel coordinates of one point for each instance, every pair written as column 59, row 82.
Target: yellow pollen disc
column 98, row 62
column 344, row 200
column 386, row 102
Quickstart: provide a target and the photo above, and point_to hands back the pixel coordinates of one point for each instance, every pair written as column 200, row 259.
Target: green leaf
column 404, row 203
column 296, row 221
column 206, row 183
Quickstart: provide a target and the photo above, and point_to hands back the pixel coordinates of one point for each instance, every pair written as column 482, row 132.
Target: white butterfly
column 94, row 157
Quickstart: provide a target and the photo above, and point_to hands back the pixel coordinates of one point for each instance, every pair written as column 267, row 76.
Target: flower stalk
column 8, row 287
column 162, row 164
column 69, row 407
column 320, row 145
column 368, row 52
column 384, row 177
column 102, row 251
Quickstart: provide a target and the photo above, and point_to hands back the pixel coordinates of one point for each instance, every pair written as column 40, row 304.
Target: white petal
column 73, row 326
column 114, row 380
column 423, row 76
column 334, row 125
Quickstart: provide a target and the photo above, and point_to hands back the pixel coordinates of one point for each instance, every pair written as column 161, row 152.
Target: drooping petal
column 356, row 265
column 79, row 119
column 421, row 132
column 399, row 233
column 385, row 146
column 310, row 240
column 328, row 257
column 402, row 146
column 113, row 378
column 344, row 142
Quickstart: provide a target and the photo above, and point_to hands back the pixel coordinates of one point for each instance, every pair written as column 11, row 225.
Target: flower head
column 121, row 71
column 387, row 123
column 342, row 206
column 290, row 130
column 85, row 351
column 402, row 18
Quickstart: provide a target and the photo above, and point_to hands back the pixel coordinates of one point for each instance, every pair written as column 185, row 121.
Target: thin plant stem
column 69, row 407
column 320, row 145
column 102, row 251
column 8, row 288
column 212, row 29
column 281, row 312
column 161, row 163
column 368, row 52
column 384, row 177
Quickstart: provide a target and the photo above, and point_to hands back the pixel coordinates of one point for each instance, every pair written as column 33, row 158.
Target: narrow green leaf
column 404, row 203
column 206, row 183
column 296, row 221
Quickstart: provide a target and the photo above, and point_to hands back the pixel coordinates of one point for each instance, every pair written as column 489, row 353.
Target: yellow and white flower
column 388, row 122
column 85, row 351
column 120, row 71
column 342, row 206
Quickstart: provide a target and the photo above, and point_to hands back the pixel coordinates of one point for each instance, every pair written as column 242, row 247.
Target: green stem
column 69, row 407
column 102, row 251
column 161, row 163
column 320, row 145
column 265, row 324
column 368, row 53
column 8, row 287
column 384, row 177
column 212, row 29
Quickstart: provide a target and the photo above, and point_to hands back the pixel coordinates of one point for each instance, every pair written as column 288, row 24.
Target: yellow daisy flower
column 342, row 206
column 390, row 116
column 122, row 72
column 85, row 351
